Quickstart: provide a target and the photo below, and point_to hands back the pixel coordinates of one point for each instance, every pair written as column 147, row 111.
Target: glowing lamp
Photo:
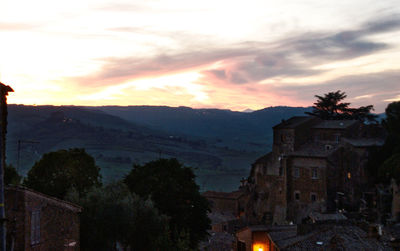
column 260, row 247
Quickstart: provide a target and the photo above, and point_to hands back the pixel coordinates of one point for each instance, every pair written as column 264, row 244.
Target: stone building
column 315, row 166
column 39, row 222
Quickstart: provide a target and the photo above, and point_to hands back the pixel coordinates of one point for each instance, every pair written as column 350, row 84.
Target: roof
column 318, row 217
column 53, row 200
column 365, row 142
column 339, row 237
column 216, row 217
column 263, row 159
column 270, row 228
column 335, row 124
column 293, row 122
column 315, row 149
column 223, row 195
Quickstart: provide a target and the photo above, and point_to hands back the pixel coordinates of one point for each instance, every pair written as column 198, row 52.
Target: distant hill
column 219, row 144
column 238, row 130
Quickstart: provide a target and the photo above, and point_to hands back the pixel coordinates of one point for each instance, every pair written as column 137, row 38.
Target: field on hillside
column 219, row 145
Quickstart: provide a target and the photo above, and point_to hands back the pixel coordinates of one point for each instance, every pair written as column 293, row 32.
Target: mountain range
column 219, row 145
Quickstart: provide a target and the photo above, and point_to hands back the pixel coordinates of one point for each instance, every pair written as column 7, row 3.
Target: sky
column 204, row 54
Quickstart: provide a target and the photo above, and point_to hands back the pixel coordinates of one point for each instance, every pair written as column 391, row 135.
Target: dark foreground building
column 36, row 221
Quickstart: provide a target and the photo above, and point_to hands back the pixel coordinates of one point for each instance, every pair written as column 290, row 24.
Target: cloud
column 15, row 26
column 344, row 44
column 250, row 64
column 364, row 89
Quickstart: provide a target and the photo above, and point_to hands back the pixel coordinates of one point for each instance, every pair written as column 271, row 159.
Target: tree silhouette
column 58, row 172
column 392, row 121
column 175, row 193
column 331, row 107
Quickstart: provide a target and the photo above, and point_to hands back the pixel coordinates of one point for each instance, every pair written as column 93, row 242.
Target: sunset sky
column 204, row 54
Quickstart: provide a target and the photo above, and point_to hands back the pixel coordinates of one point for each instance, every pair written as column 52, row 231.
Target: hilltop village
column 314, row 190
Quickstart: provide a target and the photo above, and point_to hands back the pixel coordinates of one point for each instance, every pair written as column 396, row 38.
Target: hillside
column 219, row 144
column 238, row 130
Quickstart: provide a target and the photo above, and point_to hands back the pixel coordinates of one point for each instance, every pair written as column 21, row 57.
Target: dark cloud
column 376, row 87
column 344, row 44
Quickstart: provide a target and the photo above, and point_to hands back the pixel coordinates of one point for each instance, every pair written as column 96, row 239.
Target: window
column 296, row 172
column 349, row 175
column 297, row 195
column 314, row 173
column 337, row 138
column 283, row 138
column 35, row 227
column 313, row 197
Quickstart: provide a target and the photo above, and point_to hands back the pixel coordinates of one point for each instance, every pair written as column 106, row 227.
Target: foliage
column 113, row 215
column 173, row 189
column 331, row 107
column 390, row 168
column 392, row 120
column 57, row 172
column 11, row 176
column 388, row 157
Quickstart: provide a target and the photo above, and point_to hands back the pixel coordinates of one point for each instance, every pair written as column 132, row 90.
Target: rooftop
column 336, row 237
column 318, row 217
column 293, row 122
column 52, row 200
column 335, row 124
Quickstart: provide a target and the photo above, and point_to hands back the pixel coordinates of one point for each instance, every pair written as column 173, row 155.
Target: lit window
column 349, row 175
column 35, row 227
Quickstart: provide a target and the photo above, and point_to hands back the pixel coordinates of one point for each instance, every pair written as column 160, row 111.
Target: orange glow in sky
column 212, row 54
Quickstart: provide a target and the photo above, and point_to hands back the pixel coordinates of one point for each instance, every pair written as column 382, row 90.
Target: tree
column 389, row 156
column 112, row 215
column 392, row 120
column 11, row 176
column 331, row 107
column 175, row 193
column 58, row 172
column 390, row 168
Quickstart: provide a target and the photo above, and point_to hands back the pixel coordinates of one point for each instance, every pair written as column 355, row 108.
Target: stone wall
column 58, row 221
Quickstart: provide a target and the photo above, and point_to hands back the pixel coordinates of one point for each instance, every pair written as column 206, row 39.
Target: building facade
column 315, row 166
column 39, row 222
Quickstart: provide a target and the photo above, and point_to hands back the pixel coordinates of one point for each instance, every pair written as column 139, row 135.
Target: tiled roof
column 327, row 217
column 264, row 159
column 293, row 122
column 271, row 228
column 340, row 237
column 216, row 217
column 335, row 124
column 48, row 198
